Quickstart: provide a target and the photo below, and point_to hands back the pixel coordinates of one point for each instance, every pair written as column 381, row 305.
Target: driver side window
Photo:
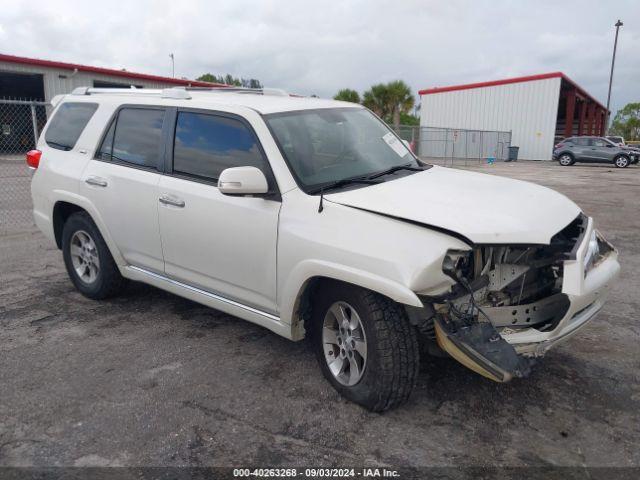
column 206, row 144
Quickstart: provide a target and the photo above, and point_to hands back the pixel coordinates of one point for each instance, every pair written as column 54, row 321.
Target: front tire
column 88, row 260
column 566, row 160
column 621, row 161
column 365, row 345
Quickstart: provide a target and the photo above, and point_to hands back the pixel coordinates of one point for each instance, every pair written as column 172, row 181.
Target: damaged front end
column 502, row 290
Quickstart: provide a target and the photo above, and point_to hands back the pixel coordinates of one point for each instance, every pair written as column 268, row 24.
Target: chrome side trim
column 207, row 294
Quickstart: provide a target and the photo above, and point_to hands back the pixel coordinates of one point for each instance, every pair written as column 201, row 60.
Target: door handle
column 96, row 181
column 171, row 200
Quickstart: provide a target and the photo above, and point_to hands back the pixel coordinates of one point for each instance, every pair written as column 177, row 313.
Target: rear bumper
column 587, row 295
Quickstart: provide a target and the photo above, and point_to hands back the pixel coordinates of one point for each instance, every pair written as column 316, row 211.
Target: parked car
column 619, row 141
column 311, row 218
column 593, row 150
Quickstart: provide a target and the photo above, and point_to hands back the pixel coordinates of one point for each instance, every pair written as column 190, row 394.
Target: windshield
column 615, row 139
column 330, row 145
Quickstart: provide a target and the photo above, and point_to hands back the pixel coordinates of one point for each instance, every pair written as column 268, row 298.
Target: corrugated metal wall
column 60, row 81
column 528, row 109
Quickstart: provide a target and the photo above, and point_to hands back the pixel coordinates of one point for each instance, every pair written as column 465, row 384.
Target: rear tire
column 369, row 343
column 88, row 260
column 621, row 161
column 566, row 160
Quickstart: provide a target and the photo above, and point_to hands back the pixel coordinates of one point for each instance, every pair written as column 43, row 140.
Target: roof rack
column 175, row 93
column 258, row 91
column 179, row 93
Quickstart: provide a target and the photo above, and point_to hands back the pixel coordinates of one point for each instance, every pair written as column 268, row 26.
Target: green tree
column 376, row 99
column 408, row 119
column 229, row 79
column 400, row 99
column 626, row 123
column 347, row 95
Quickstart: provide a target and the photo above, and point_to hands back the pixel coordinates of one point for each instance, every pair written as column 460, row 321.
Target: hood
column 482, row 208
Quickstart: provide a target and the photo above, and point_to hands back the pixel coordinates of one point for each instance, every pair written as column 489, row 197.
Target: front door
column 222, row 244
column 601, row 150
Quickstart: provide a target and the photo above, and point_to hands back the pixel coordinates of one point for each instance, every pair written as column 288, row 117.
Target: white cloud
column 319, row 47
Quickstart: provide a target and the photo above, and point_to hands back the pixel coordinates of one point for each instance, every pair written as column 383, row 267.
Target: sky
column 320, row 47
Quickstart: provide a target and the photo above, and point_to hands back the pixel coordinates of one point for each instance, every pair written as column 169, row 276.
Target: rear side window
column 207, row 144
column 135, row 137
column 581, row 141
column 68, row 123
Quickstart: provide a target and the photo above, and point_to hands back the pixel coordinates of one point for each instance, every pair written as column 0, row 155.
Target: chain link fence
column 20, row 125
column 456, row 145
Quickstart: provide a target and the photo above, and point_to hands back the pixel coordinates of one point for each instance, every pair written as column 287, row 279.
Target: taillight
column 558, row 145
column 33, row 158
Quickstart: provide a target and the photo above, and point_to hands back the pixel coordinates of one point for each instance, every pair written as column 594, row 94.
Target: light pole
column 613, row 61
column 173, row 64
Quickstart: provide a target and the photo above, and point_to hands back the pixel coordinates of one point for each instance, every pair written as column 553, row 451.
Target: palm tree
column 400, row 100
column 376, row 99
column 347, row 95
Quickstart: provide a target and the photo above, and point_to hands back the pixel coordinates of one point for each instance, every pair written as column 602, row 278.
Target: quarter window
column 135, row 137
column 206, row 144
column 68, row 123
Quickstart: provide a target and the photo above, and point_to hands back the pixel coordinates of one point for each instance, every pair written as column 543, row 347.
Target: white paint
column 527, row 109
column 483, row 208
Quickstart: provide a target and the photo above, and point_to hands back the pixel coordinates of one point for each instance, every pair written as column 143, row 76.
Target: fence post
column 34, row 124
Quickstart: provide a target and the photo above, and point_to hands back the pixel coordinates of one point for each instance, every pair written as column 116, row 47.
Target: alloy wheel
column 345, row 343
column 565, row 160
column 84, row 256
column 621, row 162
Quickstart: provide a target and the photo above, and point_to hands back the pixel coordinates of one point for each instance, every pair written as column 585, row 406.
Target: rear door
column 223, row 244
column 122, row 182
column 580, row 148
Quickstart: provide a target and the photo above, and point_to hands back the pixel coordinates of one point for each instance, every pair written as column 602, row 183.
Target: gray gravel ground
column 152, row 379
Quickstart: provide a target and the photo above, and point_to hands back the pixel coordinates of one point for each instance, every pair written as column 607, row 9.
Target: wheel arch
column 66, row 205
column 297, row 298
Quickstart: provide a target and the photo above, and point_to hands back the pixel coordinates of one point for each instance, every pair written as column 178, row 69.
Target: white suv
column 313, row 219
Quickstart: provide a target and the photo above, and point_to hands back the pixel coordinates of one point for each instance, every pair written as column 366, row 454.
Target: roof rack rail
column 175, row 93
column 258, row 91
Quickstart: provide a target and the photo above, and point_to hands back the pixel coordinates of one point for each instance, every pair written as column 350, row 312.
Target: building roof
column 103, row 71
column 507, row 81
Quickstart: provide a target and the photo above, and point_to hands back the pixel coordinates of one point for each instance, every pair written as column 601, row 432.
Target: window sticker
column 395, row 144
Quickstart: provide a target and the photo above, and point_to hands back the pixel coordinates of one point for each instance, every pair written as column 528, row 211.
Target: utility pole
column 173, row 64
column 613, row 61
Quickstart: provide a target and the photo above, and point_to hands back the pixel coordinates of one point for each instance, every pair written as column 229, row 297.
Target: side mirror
column 242, row 181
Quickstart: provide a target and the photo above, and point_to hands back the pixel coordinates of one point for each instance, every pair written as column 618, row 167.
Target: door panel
column 127, row 199
column 599, row 151
column 581, row 150
column 220, row 243
column 122, row 182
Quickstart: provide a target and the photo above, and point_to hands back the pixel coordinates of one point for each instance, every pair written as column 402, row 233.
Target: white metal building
column 534, row 108
column 34, row 79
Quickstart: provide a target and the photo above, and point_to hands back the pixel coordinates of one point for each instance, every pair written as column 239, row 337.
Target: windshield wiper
column 395, row 169
column 338, row 184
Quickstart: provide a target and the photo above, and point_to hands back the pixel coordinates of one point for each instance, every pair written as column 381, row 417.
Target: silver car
column 593, row 150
